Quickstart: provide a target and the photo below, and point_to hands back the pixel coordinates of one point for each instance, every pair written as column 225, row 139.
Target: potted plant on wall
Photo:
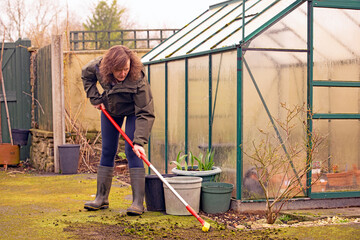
column 205, row 166
column 339, row 179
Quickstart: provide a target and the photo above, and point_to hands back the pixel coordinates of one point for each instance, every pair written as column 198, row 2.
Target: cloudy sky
column 150, row 13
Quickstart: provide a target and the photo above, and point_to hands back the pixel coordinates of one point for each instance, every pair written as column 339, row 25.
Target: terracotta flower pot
column 357, row 177
column 340, row 179
column 319, row 186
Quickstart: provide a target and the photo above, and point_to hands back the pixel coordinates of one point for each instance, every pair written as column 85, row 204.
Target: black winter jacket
column 122, row 99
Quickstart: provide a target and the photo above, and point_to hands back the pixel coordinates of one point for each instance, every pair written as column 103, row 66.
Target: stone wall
column 42, row 150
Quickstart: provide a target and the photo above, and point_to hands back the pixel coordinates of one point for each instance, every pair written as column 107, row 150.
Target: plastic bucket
column 189, row 188
column 216, row 197
column 154, row 192
column 69, row 158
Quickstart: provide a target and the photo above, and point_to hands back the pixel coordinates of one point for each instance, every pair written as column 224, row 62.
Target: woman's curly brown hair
column 115, row 59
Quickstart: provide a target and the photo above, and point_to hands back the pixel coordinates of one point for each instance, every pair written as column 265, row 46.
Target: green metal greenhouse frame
column 181, row 47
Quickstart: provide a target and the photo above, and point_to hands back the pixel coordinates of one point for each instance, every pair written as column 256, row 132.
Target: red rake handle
column 123, row 134
column 188, row 207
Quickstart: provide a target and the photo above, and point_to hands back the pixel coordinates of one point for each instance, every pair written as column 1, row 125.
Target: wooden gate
column 16, row 76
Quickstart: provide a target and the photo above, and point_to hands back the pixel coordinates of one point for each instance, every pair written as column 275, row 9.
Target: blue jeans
column 110, row 140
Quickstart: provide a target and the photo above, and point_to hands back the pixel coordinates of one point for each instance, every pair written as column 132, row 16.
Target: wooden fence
column 43, row 111
column 132, row 38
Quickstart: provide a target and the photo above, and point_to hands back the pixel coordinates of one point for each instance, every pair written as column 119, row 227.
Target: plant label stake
column 205, row 225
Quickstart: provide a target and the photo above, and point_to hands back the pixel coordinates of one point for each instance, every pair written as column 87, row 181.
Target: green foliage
column 191, row 157
column 105, row 18
column 205, row 163
column 122, row 155
column 178, row 161
column 285, row 218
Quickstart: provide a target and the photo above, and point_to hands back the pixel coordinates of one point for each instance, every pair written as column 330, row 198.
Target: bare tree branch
column 275, row 167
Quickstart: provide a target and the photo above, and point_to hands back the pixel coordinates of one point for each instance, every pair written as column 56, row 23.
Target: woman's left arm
column 144, row 111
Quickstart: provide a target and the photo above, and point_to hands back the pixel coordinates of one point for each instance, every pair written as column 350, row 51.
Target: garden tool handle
column 206, row 225
column 128, row 140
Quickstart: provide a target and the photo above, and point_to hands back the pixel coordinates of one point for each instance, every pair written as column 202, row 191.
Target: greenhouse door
column 336, row 98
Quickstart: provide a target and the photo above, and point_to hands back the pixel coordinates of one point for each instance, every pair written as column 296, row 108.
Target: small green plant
column 285, row 218
column 207, row 163
column 122, row 155
column 204, row 163
column 178, row 161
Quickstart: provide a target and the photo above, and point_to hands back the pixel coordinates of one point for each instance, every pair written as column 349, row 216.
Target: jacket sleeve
column 89, row 78
column 144, row 111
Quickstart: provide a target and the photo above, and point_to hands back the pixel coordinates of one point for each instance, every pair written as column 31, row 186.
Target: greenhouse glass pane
column 213, row 16
column 267, row 10
column 290, row 32
column 336, row 41
column 176, row 37
column 176, row 110
column 336, row 100
column 224, row 91
column 232, row 12
column 340, row 158
column 198, row 109
column 225, row 30
column 157, row 80
column 279, row 85
column 336, row 44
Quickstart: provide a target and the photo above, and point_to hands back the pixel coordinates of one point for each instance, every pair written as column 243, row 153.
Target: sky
column 150, row 13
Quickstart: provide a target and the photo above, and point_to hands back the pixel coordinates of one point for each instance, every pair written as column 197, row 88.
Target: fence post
column 122, row 37
column 76, row 43
column 57, row 79
column 148, row 38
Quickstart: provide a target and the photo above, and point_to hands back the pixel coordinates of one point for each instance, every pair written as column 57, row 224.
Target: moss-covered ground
column 51, row 207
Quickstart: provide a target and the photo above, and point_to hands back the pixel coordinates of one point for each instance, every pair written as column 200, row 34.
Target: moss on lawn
column 51, row 207
column 38, row 205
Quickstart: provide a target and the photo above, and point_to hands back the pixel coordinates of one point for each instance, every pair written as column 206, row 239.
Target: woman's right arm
column 89, row 78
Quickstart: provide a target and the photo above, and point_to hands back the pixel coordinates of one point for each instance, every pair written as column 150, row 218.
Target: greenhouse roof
column 222, row 26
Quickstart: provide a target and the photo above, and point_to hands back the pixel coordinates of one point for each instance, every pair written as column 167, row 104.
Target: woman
column 126, row 94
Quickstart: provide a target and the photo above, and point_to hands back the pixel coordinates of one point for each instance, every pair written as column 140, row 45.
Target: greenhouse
column 234, row 79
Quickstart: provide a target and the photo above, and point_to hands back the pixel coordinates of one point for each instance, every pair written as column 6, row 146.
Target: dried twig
column 42, row 110
column 87, row 150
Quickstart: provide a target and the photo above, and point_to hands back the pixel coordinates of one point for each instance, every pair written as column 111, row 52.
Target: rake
column 205, row 225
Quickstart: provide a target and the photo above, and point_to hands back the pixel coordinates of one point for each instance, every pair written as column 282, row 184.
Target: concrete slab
column 314, row 214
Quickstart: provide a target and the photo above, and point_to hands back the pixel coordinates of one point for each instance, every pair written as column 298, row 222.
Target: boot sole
column 134, row 212
column 90, row 208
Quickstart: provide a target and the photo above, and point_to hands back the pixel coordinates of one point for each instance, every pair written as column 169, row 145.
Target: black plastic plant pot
column 69, row 158
column 154, row 192
column 20, row 136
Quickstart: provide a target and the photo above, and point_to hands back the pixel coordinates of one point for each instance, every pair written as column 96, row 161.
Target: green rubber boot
column 137, row 179
column 104, row 179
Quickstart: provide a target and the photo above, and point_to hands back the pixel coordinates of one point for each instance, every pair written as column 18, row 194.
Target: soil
column 146, row 231
column 234, row 219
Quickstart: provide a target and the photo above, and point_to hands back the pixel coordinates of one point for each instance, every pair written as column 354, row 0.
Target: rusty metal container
column 9, row 154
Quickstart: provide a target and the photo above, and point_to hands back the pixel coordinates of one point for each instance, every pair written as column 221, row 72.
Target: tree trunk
column 271, row 216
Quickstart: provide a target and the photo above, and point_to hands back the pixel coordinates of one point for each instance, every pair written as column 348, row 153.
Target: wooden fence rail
column 132, row 38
